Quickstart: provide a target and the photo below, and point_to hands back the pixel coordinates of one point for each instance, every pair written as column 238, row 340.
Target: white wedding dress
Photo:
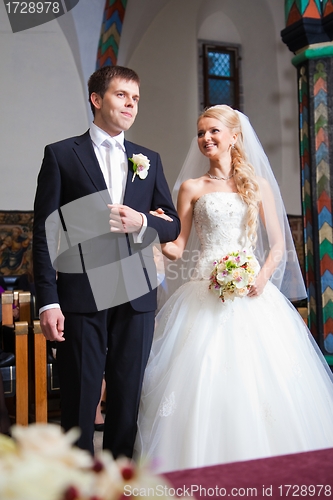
column 230, row 381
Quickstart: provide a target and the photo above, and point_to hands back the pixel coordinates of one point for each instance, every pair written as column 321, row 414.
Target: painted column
column 309, row 34
column 113, row 17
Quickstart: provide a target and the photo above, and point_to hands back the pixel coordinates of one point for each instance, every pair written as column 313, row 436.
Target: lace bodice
column 220, row 222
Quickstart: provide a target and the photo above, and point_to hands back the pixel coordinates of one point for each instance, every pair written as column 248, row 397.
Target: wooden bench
column 30, row 355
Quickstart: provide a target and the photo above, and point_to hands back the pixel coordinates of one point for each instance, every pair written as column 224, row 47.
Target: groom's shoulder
column 70, row 141
column 137, row 148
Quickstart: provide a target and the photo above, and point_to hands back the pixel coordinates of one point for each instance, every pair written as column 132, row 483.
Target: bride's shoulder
column 191, row 187
column 193, row 184
column 264, row 185
column 261, row 181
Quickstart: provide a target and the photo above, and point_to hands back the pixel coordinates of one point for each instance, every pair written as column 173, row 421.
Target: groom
column 92, row 302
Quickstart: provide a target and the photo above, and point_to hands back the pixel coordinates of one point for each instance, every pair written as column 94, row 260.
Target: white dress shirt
column 112, row 159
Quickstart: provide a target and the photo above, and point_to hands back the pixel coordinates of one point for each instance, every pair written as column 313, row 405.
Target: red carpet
column 301, row 475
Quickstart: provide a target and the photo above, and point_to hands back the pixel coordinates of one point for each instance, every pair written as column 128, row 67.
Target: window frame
column 204, row 77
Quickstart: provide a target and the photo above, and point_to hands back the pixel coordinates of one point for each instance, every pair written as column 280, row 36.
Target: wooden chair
column 20, row 329
column 31, row 375
column 40, row 372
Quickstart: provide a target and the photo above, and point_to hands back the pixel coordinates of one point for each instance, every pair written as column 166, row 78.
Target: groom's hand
column 52, row 324
column 124, row 219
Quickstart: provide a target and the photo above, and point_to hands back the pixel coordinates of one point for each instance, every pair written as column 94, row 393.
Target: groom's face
column 116, row 111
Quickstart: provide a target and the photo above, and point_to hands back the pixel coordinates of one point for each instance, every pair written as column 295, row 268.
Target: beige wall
column 44, row 72
column 41, row 102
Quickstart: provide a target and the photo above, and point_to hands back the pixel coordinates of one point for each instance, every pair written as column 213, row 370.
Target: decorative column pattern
column 113, row 17
column 295, row 10
column 317, row 196
column 309, row 33
column 307, row 199
column 327, row 9
column 304, row 24
column 321, row 73
column 316, row 150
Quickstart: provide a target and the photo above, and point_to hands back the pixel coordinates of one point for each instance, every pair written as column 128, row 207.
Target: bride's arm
column 275, row 237
column 173, row 250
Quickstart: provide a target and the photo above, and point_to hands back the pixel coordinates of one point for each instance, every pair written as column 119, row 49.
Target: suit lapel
column 85, row 152
column 130, row 187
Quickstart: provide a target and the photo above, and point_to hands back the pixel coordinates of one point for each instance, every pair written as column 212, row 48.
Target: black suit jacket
column 69, row 172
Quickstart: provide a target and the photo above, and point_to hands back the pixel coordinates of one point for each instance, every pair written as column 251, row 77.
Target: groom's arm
column 46, row 201
column 124, row 219
column 166, row 230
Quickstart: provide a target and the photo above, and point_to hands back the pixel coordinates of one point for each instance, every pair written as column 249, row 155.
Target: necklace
column 220, row 178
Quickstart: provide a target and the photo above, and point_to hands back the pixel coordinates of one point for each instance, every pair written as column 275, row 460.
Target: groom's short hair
column 99, row 81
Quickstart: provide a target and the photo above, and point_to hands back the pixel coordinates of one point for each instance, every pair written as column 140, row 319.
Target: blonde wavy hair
column 244, row 174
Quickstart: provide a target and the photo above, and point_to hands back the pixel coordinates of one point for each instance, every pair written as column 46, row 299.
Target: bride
column 234, row 373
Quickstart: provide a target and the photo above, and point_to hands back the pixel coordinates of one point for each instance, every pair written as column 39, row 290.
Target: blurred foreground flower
column 41, row 463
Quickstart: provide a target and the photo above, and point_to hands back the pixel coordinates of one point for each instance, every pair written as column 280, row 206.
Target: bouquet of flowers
column 41, row 463
column 233, row 275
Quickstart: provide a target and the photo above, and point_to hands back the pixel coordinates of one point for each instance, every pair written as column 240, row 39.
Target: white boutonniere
column 140, row 165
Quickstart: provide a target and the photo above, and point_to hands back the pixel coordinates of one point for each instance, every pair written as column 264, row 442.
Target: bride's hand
column 160, row 213
column 258, row 287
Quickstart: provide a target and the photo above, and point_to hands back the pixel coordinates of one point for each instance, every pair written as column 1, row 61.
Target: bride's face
column 214, row 138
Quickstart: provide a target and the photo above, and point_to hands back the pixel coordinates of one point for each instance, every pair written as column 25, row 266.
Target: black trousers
column 116, row 341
